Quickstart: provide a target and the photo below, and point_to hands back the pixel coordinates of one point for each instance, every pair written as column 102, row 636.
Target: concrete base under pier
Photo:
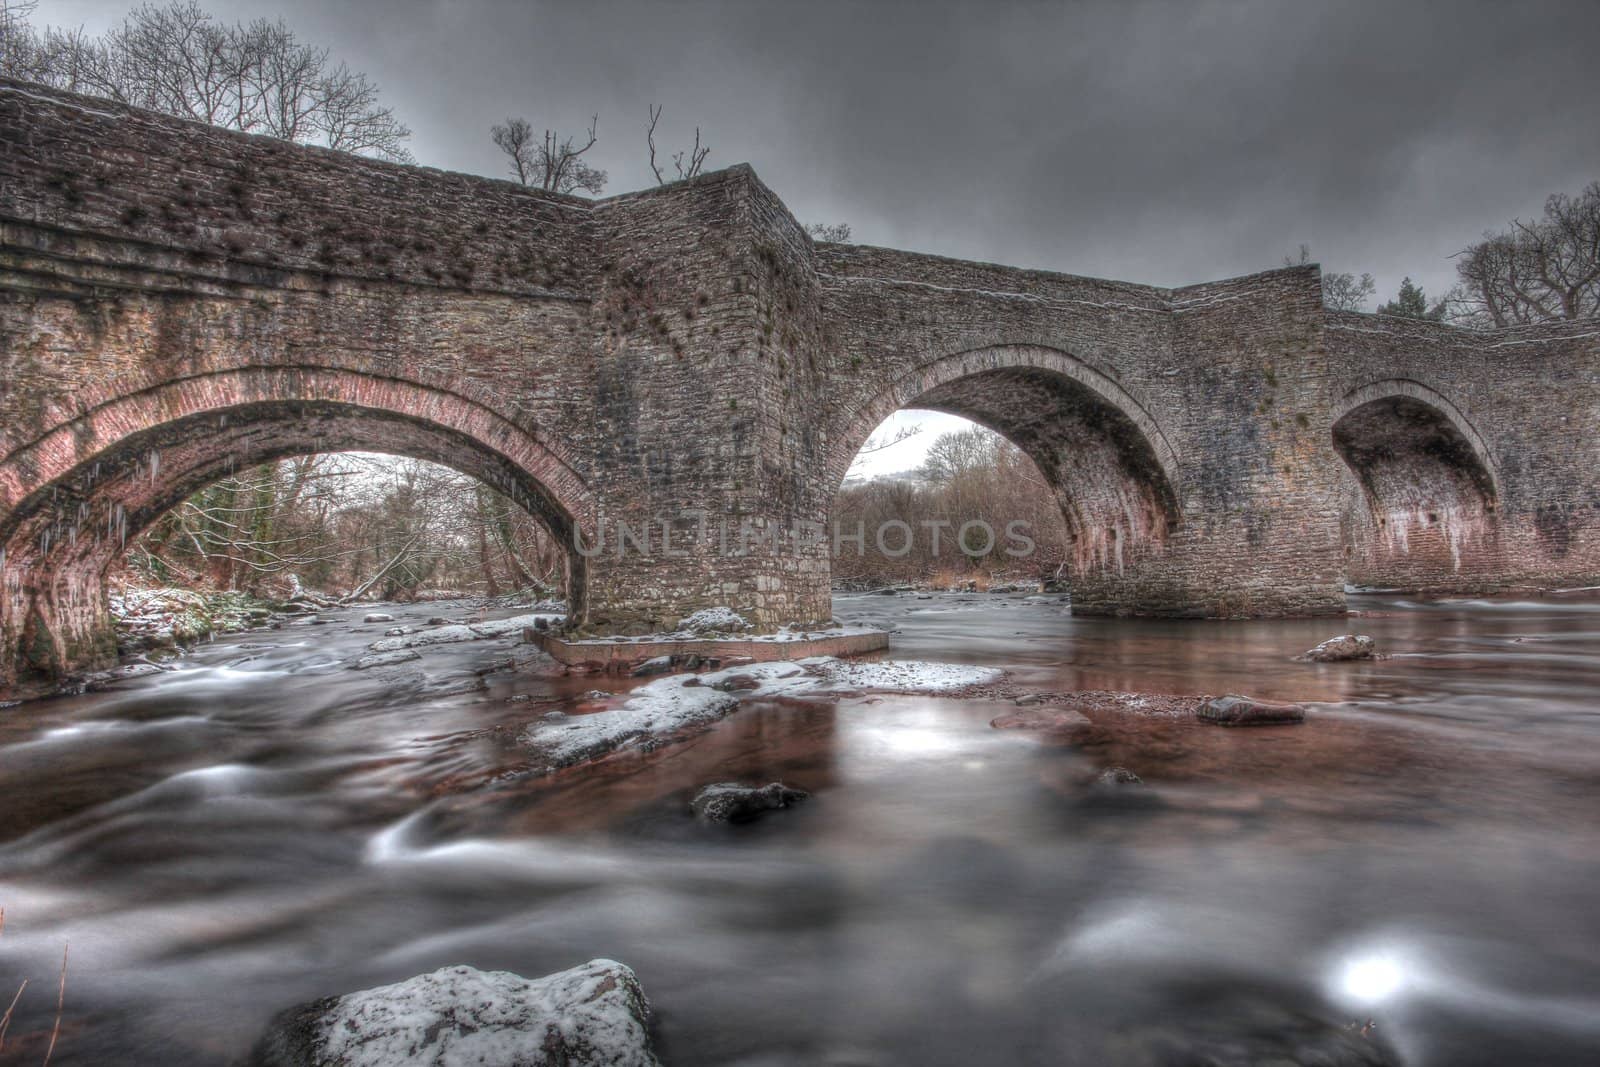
column 624, row 653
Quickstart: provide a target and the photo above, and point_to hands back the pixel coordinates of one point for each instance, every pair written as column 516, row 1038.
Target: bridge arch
column 73, row 498
column 1113, row 470
column 1428, row 481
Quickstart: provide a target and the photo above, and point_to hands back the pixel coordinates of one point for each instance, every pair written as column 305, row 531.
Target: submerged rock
column 1343, row 647
column 1250, row 1028
column 1245, row 711
column 1045, row 719
column 1117, row 776
column 126, row 672
column 732, row 802
column 588, row 1016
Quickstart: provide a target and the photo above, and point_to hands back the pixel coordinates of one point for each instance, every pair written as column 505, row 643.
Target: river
column 263, row 826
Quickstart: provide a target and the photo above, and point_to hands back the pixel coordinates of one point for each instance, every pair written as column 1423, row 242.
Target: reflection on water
column 263, row 827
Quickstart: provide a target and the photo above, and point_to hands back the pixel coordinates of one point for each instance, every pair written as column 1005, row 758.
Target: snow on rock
column 1343, row 647
column 378, row 616
column 588, row 1016
column 660, row 710
column 713, row 620
column 473, row 631
column 384, row 659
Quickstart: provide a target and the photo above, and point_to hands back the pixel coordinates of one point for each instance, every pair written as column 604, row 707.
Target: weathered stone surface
column 1247, row 711
column 655, row 368
column 1343, row 647
column 385, row 659
column 595, row 1015
column 732, row 802
column 654, row 665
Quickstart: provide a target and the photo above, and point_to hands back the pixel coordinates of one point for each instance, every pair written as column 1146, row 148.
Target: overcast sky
column 1164, row 142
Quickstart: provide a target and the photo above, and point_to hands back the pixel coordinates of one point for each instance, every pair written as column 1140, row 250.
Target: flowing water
column 263, row 826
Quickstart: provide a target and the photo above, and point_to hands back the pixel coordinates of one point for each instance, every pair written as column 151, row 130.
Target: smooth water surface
column 264, row 826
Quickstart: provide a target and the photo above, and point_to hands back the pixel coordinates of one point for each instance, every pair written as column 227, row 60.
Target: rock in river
column 1246, row 711
column 378, row 616
column 1343, row 647
column 732, row 802
column 1047, row 720
column 384, row 659
column 588, row 1016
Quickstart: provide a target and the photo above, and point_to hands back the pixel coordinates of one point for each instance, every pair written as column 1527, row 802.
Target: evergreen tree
column 1412, row 303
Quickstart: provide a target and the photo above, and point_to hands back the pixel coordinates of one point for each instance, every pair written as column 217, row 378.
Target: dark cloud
column 1159, row 142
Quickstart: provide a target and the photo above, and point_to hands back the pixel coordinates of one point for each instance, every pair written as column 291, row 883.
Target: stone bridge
column 655, row 369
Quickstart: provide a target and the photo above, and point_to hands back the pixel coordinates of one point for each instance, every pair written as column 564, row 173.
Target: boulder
column 378, row 616
column 588, row 1016
column 737, row 683
column 732, row 802
column 1246, row 711
column 657, row 665
column 1343, row 647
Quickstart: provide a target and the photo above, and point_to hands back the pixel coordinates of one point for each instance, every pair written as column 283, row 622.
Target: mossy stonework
column 178, row 301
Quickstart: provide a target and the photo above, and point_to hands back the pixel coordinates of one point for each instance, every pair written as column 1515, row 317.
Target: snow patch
column 713, row 619
column 669, row 706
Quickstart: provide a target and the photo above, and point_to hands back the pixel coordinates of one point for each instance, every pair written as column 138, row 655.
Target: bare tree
column 837, row 232
column 1545, row 269
column 696, row 156
column 881, row 443
column 551, row 161
column 16, row 38
column 351, row 524
column 1340, row 291
column 257, row 77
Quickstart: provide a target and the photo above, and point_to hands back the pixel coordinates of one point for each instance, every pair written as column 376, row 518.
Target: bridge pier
column 53, row 632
